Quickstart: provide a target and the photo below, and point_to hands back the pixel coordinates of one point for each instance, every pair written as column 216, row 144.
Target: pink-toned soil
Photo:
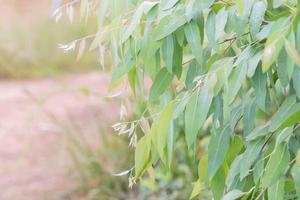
column 34, row 164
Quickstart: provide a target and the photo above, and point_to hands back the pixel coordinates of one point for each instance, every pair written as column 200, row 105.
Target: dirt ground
column 34, row 164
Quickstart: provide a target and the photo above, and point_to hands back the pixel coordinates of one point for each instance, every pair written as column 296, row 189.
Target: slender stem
column 261, row 194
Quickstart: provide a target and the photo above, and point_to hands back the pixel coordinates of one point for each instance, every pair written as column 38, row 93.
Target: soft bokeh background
column 55, row 124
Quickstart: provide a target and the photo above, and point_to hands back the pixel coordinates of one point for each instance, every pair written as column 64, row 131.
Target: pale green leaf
column 249, row 156
column 167, row 4
column 192, row 34
column 292, row 52
column 276, row 191
column 210, row 28
column 197, row 189
column 196, row 113
column 259, row 82
column 277, row 165
column 160, row 84
column 217, row 149
column 236, row 80
column 221, row 20
column 168, row 52
column 169, row 24
column 296, row 82
column 163, row 129
column 233, row 194
column 296, row 176
column 217, row 184
column 256, row 17
column 142, row 155
column 285, row 110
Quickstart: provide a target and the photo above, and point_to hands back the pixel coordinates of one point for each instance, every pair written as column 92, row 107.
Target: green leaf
column 177, row 61
column 292, row 52
column 163, row 129
column 277, row 165
column 249, row 156
column 196, row 113
column 217, row 149
column 197, row 189
column 211, row 30
column 218, row 183
column 142, row 155
column 293, row 117
column 240, row 6
column 296, row 176
column 232, row 176
column 203, row 169
column 192, row 113
column 192, row 73
column 276, row 191
column 143, row 8
column 256, row 17
column 221, row 19
column 192, row 34
column 235, row 147
column 236, row 80
column 123, row 68
column 270, row 53
column 169, row 24
column 167, row 4
column 296, row 82
column 195, row 6
column 168, row 52
column 274, row 43
column 160, row 84
column 285, row 109
column 258, row 132
column 233, row 194
column 285, row 68
column 259, row 82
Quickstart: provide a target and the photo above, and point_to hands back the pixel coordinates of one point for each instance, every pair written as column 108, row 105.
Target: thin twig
column 261, row 194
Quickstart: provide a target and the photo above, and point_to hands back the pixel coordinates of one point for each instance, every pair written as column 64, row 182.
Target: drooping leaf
column 197, row 189
column 195, row 6
column 211, row 30
column 163, row 129
column 192, row 34
column 249, row 156
column 256, row 17
column 276, row 191
column 296, row 176
column 167, row 4
column 218, row 183
column 217, row 149
column 285, row 109
column 169, row 24
column 196, row 112
column 236, row 80
column 142, row 155
column 296, row 82
column 221, row 19
column 277, row 164
column 160, row 84
column 292, row 52
column 274, row 43
column 233, row 194
column 260, row 87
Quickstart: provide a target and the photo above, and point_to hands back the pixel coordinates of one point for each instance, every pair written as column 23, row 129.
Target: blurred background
column 55, row 125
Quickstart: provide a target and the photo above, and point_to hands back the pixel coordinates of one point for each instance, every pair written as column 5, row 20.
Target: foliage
column 226, row 72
